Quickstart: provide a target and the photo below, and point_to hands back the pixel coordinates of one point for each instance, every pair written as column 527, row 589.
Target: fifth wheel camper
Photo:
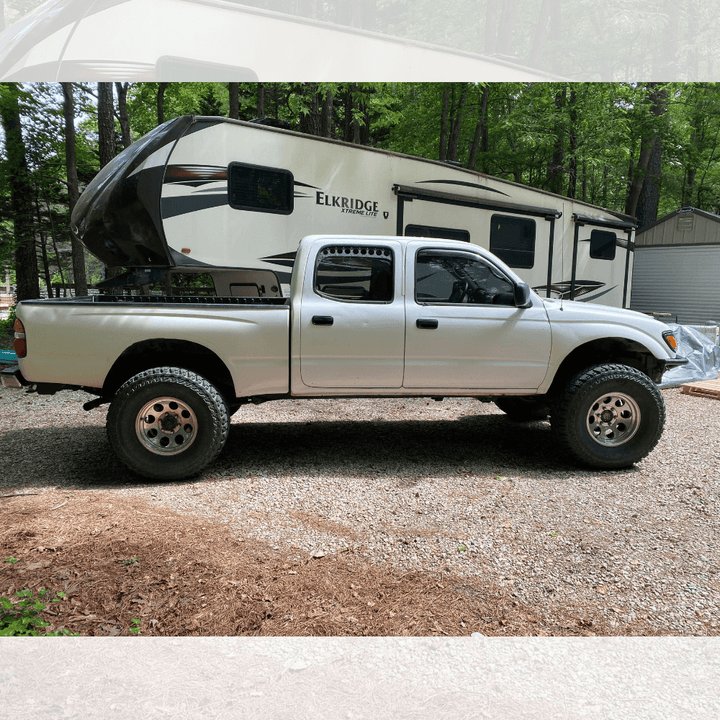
column 207, row 192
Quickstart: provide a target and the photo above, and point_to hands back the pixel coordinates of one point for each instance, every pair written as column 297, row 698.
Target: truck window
column 603, row 244
column 447, row 276
column 512, row 239
column 355, row 273
column 437, row 232
column 260, row 189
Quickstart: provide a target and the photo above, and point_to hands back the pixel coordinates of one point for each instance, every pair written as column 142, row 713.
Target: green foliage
column 5, row 329
column 135, row 626
column 22, row 617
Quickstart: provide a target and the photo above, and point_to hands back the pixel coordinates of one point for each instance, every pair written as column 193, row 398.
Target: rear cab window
column 355, row 273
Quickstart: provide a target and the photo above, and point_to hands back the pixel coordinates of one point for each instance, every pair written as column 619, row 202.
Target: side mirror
column 522, row 296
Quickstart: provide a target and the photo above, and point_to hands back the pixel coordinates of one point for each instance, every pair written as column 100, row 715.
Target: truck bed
column 171, row 300
column 77, row 341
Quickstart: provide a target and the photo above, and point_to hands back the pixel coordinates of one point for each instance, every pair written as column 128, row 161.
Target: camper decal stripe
column 562, row 290
column 466, row 184
column 284, row 259
column 301, row 184
column 174, row 206
column 595, row 297
column 195, row 174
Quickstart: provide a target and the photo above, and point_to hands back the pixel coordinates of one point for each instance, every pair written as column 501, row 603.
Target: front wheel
column 609, row 416
column 167, row 423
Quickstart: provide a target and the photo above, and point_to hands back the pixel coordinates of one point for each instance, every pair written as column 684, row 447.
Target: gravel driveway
column 449, row 486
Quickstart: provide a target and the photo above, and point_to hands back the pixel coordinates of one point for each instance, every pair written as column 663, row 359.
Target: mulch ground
column 117, row 559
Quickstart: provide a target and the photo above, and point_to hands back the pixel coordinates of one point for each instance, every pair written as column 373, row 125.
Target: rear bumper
column 13, row 378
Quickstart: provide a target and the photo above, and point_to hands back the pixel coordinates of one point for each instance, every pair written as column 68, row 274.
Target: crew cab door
column 352, row 317
column 462, row 327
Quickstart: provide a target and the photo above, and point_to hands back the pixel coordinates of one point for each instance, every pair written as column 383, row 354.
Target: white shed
column 677, row 267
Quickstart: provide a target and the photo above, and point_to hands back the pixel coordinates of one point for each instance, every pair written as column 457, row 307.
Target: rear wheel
column 609, row 416
column 167, row 423
column 523, row 409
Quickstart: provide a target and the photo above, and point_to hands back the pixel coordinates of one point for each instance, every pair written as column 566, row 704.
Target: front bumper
column 675, row 362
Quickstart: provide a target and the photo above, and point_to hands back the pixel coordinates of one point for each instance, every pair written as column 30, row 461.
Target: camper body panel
column 339, row 187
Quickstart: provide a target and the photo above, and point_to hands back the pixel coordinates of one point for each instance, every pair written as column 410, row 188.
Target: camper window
column 447, row 276
column 602, row 245
column 355, row 274
column 437, row 232
column 260, row 189
column 512, row 239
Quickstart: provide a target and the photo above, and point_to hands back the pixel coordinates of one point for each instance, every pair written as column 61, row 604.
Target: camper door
column 601, row 265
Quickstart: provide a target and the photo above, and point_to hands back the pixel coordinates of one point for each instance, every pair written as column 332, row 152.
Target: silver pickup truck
column 366, row 316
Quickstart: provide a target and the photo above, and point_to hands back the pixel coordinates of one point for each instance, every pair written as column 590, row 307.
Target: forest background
column 644, row 149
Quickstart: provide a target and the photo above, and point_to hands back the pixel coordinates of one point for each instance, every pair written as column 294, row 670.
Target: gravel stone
column 450, row 486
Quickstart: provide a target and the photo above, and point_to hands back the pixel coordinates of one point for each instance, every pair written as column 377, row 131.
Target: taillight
column 19, row 343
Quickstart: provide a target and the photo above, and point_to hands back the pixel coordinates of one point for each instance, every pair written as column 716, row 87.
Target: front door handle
column 322, row 320
column 426, row 323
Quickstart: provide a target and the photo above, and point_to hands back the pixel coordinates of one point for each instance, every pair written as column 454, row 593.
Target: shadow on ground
column 405, row 450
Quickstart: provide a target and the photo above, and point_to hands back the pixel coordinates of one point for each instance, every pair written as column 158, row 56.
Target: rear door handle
column 322, row 320
column 426, row 323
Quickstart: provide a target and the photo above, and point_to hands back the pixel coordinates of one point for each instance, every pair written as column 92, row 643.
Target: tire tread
column 565, row 430
column 212, row 399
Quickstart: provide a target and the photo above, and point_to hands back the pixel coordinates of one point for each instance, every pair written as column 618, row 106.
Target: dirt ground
column 181, row 575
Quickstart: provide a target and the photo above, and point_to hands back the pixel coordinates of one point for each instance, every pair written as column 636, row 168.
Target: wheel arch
column 617, row 350
column 159, row 352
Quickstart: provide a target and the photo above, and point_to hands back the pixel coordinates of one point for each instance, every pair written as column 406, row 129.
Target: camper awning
column 614, row 222
column 412, row 193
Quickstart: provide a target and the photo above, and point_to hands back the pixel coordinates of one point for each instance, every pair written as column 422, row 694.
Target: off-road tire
column 523, row 409
column 609, row 416
column 199, row 441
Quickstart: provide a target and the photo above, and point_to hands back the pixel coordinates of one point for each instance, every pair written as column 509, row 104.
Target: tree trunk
column 234, row 100
column 43, row 246
column 649, row 200
column 261, row 100
column 506, row 30
column 162, row 87
column 456, row 122
column 78, row 256
column 18, row 177
column 327, row 115
column 555, row 166
column 310, row 120
column 549, row 16
column 442, row 155
column 106, row 139
column 106, row 123
column 122, row 89
column 490, row 26
column 646, row 175
column 664, row 55
column 351, row 125
column 573, row 141
column 480, row 139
